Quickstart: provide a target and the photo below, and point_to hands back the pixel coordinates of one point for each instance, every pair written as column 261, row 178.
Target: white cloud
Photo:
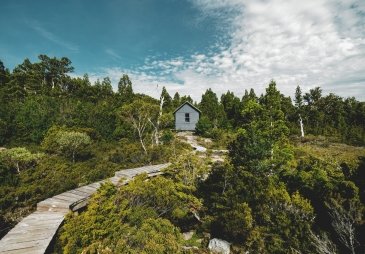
column 113, row 54
column 35, row 25
column 310, row 43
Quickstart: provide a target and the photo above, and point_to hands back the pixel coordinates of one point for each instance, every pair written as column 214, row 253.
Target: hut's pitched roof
column 188, row 103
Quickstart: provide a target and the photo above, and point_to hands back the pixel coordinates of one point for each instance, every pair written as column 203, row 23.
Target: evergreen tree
column 185, row 98
column 298, row 98
column 299, row 108
column 211, row 108
column 176, row 101
column 232, row 107
column 314, row 114
column 26, row 79
column 271, row 124
column 275, row 121
column 245, row 96
column 248, row 96
column 252, row 94
column 4, row 75
column 106, row 88
column 167, row 100
column 54, row 71
column 125, row 88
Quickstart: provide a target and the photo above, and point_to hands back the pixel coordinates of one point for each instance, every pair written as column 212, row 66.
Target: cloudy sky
column 191, row 45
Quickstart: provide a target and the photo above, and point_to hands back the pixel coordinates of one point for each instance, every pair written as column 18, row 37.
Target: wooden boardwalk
column 35, row 232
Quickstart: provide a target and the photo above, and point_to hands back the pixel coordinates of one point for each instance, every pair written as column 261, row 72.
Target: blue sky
column 191, row 45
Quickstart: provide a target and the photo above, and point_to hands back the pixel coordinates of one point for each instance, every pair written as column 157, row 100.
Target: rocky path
column 35, row 232
column 190, row 138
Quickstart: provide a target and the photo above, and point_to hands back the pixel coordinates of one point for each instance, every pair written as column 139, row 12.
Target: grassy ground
column 332, row 152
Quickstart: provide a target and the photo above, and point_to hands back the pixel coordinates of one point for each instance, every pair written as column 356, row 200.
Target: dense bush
column 133, row 219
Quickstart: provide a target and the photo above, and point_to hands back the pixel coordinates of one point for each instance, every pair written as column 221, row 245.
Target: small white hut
column 186, row 117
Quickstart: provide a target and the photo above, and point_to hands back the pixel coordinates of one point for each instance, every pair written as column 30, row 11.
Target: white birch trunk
column 158, row 121
column 156, row 126
column 140, row 134
column 17, row 167
column 301, row 126
column 140, row 126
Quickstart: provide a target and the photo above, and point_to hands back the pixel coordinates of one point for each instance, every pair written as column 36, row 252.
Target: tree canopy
column 292, row 180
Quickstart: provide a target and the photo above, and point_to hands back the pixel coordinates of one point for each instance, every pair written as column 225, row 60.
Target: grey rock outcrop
column 219, row 246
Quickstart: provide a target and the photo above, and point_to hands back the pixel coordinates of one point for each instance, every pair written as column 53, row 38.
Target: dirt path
column 191, row 139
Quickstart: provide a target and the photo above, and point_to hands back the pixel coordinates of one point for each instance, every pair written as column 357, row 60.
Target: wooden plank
column 23, row 245
column 34, row 219
column 94, row 185
column 65, row 199
column 155, row 174
column 30, row 250
column 79, row 205
column 53, row 209
column 88, row 189
column 33, row 234
column 80, row 193
column 16, row 237
column 27, row 238
column 114, row 180
column 55, row 205
column 73, row 195
column 54, row 202
column 122, row 175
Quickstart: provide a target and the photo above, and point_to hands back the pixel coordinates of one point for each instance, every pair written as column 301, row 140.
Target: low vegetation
column 292, row 182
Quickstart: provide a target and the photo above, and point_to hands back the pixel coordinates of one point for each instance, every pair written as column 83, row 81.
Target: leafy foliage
column 71, row 142
column 20, row 157
column 136, row 213
column 280, row 191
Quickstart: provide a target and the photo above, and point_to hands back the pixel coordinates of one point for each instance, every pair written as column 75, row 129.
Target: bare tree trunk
column 158, row 121
column 17, row 167
column 143, row 146
column 343, row 222
column 323, row 244
column 141, row 141
column 224, row 185
column 157, row 134
column 301, row 126
column 196, row 215
column 152, row 139
column 156, row 126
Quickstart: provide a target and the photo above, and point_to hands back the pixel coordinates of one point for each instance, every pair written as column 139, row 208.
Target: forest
column 293, row 180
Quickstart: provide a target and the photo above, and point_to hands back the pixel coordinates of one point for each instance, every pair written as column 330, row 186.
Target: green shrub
column 203, row 126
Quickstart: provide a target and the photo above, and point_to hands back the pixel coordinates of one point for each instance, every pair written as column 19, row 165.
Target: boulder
column 219, row 246
column 188, row 235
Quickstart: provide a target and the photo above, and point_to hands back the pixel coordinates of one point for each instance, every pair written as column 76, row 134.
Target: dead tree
column 156, row 125
column 323, row 244
column 343, row 223
column 301, row 126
